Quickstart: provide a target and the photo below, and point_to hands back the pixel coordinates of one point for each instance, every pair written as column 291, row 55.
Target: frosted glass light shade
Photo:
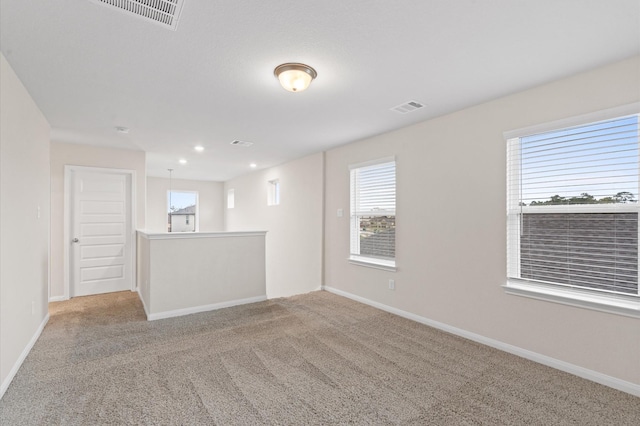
column 295, row 77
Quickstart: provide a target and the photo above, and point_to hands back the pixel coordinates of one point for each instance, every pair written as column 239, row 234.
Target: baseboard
column 203, row 308
column 57, row 299
column 144, row 305
column 585, row 373
column 23, row 356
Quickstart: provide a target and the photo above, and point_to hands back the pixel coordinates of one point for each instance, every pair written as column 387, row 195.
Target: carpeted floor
column 314, row 359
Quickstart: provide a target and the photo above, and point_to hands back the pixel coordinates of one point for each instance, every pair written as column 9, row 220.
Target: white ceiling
column 91, row 68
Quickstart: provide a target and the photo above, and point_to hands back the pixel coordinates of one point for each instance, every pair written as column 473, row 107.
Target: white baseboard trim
column 144, row 305
column 6, row 382
column 203, row 308
column 57, row 299
column 603, row 379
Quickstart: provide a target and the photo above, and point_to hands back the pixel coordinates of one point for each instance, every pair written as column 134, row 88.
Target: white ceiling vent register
column 407, row 107
column 241, row 143
column 163, row 12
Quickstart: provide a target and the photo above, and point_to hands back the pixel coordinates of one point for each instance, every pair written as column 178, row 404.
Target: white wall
column 451, row 225
column 294, row 237
column 210, row 200
column 91, row 156
column 24, row 222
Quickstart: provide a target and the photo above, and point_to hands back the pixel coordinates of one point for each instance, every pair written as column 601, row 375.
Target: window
column 231, row 198
column 273, row 192
column 182, row 209
column 373, row 214
column 572, row 215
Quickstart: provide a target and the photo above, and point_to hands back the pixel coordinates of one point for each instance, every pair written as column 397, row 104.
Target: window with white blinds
column 573, row 207
column 373, row 212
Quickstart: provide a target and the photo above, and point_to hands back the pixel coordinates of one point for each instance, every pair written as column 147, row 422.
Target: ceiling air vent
column 163, row 12
column 407, row 107
column 241, row 143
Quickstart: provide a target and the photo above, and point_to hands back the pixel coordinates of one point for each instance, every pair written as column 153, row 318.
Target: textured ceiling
column 91, row 68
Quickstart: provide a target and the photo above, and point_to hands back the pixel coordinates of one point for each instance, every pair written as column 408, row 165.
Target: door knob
column 75, row 240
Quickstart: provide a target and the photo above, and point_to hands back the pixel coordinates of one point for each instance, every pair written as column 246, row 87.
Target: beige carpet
column 315, row 359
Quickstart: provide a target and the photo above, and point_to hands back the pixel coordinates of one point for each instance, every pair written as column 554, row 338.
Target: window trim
column 372, row 262
column 606, row 114
column 577, row 297
column 620, row 304
column 357, row 259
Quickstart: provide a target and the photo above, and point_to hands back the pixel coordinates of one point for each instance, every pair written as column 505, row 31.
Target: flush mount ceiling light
column 295, row 77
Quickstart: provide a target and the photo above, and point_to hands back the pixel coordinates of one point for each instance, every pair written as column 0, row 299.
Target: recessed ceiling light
column 199, row 148
column 121, row 129
column 253, row 165
column 182, row 161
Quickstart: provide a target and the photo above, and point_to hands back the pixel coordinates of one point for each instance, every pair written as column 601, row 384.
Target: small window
column 373, row 214
column 231, row 198
column 572, row 211
column 273, row 192
column 182, row 209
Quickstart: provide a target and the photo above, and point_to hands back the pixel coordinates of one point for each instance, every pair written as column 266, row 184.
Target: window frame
column 621, row 304
column 386, row 264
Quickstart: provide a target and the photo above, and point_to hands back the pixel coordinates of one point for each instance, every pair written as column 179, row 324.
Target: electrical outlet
column 340, row 213
column 392, row 284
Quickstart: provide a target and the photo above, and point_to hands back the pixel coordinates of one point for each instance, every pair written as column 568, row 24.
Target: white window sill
column 614, row 304
column 385, row 265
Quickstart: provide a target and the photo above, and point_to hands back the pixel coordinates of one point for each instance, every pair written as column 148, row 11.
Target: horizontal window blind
column 573, row 206
column 590, row 250
column 373, row 210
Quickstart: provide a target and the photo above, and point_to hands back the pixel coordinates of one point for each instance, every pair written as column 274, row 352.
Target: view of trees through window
column 585, row 198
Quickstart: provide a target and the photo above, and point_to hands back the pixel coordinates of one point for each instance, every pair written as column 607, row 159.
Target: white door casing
column 99, row 230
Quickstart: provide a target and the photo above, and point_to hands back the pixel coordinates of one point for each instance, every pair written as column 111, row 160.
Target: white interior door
column 100, row 233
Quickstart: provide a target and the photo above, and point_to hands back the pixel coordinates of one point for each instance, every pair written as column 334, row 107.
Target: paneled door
column 100, row 233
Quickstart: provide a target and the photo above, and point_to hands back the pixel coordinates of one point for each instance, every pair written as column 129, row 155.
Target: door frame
column 68, row 207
